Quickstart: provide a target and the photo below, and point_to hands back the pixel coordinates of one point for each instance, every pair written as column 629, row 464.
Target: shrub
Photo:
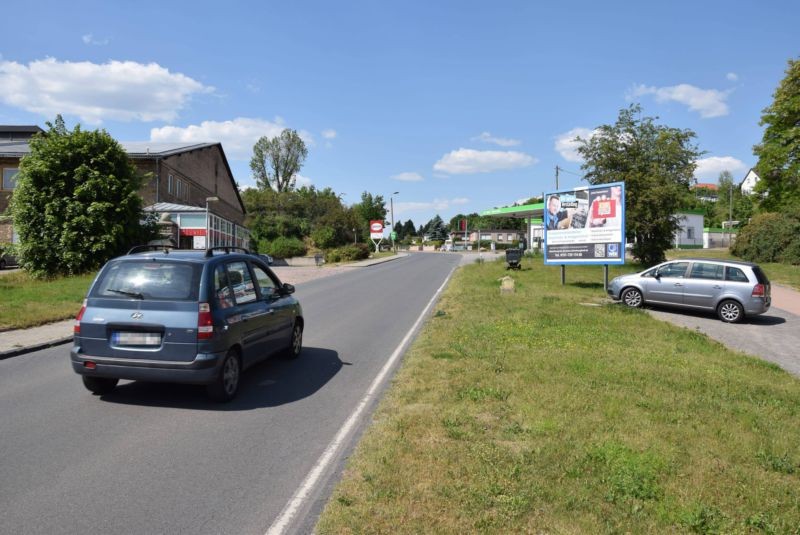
column 283, row 247
column 769, row 237
column 324, row 237
column 351, row 252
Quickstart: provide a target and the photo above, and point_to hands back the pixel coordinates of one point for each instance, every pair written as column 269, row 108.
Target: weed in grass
column 440, row 314
column 345, row 500
column 478, row 393
column 626, row 473
column 776, row 463
column 454, row 427
column 702, row 518
column 444, row 355
column 763, row 522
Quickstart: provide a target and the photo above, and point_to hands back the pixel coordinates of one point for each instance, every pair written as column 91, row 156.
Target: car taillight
column 205, row 325
column 759, row 291
column 76, row 329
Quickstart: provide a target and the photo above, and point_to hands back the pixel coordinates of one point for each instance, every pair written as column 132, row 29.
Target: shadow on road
column 272, row 383
column 762, row 319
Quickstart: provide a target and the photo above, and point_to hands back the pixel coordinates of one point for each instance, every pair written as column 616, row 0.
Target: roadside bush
column 8, row 248
column 769, row 237
column 348, row 253
column 324, row 237
column 283, row 247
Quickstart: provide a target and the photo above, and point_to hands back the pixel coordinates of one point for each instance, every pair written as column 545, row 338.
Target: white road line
column 286, row 517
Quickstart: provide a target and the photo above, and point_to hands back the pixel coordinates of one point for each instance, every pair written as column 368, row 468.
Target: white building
column 690, row 233
column 749, row 182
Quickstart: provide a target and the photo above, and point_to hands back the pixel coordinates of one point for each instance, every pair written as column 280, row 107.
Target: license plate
column 136, row 339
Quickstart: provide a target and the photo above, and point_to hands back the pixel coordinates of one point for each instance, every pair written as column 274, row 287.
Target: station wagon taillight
column 205, row 324
column 76, row 329
column 759, row 291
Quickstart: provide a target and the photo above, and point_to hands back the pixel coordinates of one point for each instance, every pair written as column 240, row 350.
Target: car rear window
column 149, row 279
column 761, row 277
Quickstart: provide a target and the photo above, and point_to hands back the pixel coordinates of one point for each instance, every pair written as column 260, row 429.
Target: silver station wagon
column 731, row 289
column 198, row 317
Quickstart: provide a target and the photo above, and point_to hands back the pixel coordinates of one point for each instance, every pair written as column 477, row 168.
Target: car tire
column 730, row 311
column 226, row 384
column 2, row 263
column 632, row 297
column 296, row 342
column 99, row 385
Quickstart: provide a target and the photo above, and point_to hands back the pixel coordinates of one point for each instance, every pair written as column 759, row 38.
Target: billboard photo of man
column 556, row 217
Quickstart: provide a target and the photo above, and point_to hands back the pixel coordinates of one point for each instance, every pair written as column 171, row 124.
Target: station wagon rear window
column 149, row 280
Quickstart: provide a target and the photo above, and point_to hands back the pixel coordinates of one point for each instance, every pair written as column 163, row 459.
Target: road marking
column 283, row 521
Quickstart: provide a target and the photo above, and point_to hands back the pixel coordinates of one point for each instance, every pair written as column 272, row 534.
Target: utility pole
column 730, row 213
column 391, row 204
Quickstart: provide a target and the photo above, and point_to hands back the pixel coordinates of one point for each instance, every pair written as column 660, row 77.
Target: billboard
column 585, row 225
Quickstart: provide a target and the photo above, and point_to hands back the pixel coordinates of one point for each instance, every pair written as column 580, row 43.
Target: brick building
column 191, row 182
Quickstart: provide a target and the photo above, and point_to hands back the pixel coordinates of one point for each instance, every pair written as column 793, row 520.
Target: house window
column 170, row 180
column 10, row 178
column 179, row 188
column 499, row 237
column 511, row 237
column 690, row 233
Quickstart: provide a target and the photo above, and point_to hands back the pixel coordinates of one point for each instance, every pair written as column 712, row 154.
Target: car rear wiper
column 137, row 295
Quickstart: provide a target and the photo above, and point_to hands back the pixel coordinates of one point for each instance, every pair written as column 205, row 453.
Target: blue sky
column 459, row 106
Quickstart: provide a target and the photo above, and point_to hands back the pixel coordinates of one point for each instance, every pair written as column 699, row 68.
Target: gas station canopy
column 526, row 211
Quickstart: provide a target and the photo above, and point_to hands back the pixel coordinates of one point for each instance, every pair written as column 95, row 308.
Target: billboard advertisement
column 585, row 225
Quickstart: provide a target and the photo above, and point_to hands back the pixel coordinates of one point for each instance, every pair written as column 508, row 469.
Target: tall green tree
column 656, row 162
column 779, row 151
column 371, row 208
column 77, row 201
column 276, row 161
column 731, row 203
column 436, row 229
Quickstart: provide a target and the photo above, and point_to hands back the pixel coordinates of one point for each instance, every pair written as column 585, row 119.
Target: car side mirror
column 288, row 288
column 657, row 275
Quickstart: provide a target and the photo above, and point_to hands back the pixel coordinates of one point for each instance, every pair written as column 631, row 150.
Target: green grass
column 27, row 302
column 784, row 274
column 532, row 412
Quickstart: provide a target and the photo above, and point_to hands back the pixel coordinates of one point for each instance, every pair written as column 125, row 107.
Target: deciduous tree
column 77, row 201
column 276, row 161
column 656, row 162
column 779, row 151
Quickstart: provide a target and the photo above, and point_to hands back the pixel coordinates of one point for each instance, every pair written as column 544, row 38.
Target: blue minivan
column 199, row 317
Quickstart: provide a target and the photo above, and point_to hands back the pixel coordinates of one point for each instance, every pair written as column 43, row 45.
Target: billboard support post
column 605, row 277
column 563, row 274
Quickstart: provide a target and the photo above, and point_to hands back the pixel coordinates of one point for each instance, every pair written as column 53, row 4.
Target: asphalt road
column 153, row 458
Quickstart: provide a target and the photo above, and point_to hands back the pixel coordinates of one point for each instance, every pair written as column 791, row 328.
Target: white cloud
column 301, row 181
column 437, row 205
column 237, row 136
column 118, row 90
column 467, row 161
column 710, row 168
column 89, row 39
column 732, row 76
column 486, row 137
column 330, row 133
column 408, row 177
column 566, row 145
column 707, row 102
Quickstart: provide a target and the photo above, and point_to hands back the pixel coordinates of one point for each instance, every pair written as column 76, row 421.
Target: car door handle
column 717, row 287
column 678, row 284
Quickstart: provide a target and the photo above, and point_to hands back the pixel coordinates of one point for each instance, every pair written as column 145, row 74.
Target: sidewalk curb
column 36, row 347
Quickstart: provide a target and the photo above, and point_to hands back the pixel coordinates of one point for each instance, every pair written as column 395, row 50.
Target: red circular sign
column 376, row 227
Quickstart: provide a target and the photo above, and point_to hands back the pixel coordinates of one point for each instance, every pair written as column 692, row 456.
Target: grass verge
column 547, row 410
column 27, row 302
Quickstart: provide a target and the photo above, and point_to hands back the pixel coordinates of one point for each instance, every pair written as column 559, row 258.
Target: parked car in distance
column 266, row 258
column 198, row 317
column 7, row 260
column 731, row 289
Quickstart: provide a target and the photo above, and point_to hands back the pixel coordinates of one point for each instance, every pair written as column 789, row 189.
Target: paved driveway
column 774, row 336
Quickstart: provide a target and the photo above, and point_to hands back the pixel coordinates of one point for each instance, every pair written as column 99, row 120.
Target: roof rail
column 141, row 248
column 226, row 248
